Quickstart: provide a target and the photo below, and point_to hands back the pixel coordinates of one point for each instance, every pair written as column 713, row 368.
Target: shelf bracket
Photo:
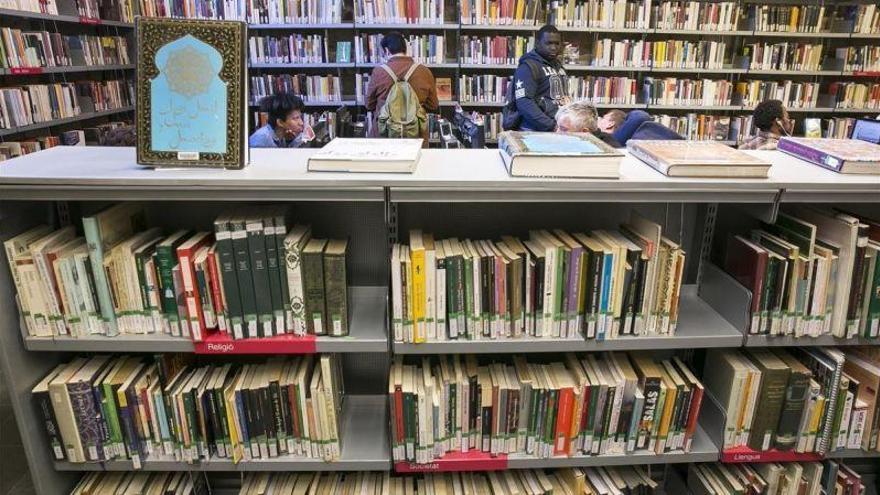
column 706, row 241
column 390, row 218
column 62, row 211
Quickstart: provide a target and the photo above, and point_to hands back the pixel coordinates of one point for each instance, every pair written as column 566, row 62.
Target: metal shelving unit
column 440, row 190
column 23, row 14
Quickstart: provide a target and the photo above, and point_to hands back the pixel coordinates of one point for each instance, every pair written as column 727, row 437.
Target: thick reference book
column 846, row 156
column 367, row 155
column 191, row 93
column 675, row 158
column 545, row 154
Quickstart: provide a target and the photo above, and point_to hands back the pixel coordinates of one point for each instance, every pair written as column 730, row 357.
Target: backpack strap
column 391, row 72
column 409, row 72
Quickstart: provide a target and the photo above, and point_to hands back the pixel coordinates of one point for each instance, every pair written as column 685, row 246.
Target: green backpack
column 402, row 116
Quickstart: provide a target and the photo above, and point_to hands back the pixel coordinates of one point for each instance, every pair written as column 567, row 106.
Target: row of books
column 784, row 56
column 426, row 48
column 494, row 49
column 791, row 18
column 605, row 403
column 36, row 103
column 130, row 407
column 116, row 10
column 135, row 483
column 618, row 14
column 603, row 89
column 792, row 94
column 599, row 285
column 295, row 48
column 607, row 52
column 860, row 58
column 231, row 10
column 487, row 88
column 400, row 11
column 91, row 136
column 700, row 127
column 249, row 278
column 311, row 88
column 802, row 400
column 44, row 49
column 695, row 15
column 790, row 478
column 813, row 274
column 855, row 95
column 502, row 12
column 676, row 91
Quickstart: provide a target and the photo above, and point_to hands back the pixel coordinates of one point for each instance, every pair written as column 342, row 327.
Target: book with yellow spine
column 417, row 257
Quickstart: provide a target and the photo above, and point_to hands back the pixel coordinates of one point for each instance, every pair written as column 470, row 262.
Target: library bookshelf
column 373, row 210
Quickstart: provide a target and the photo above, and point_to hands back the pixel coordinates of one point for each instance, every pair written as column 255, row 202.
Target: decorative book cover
column 191, row 87
column 840, row 155
column 697, row 159
column 554, row 144
column 574, row 155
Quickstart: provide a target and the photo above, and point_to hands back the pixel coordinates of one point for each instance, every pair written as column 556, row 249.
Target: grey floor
column 14, row 476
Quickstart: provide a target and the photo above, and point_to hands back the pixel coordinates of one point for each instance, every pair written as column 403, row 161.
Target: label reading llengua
column 187, row 155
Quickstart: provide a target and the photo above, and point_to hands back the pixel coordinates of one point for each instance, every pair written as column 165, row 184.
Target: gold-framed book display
column 191, row 84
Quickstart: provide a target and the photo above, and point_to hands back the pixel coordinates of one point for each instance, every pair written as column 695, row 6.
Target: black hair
column 766, row 114
column 280, row 105
column 545, row 29
column 394, row 42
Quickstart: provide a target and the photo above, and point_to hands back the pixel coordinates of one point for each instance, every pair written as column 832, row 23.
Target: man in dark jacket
column 540, row 82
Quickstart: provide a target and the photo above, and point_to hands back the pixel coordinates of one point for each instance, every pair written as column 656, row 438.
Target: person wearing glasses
column 771, row 119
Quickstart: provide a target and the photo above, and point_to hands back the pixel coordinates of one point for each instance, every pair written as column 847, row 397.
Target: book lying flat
column 367, row 155
column 846, row 156
column 547, row 154
column 675, row 158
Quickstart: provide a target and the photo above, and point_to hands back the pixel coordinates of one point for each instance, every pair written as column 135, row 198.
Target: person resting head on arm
column 771, row 119
column 611, row 121
column 285, row 128
column 581, row 116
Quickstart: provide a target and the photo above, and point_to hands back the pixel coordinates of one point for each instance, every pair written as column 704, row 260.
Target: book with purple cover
column 846, row 156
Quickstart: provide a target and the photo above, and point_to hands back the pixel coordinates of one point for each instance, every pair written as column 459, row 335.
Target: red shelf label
column 282, row 344
column 865, row 73
column 25, row 71
column 456, row 461
column 89, row 20
column 733, row 456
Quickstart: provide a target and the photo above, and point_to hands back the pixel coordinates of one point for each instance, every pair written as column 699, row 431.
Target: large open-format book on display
column 546, row 154
column 847, row 156
column 191, row 87
column 367, row 155
column 675, row 158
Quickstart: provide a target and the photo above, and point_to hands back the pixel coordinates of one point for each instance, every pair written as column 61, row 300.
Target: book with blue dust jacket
column 547, row 154
column 191, row 85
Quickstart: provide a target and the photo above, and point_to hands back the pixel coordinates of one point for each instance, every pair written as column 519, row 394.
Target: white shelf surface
column 699, row 326
column 801, row 181
column 365, row 447
column 368, row 320
column 111, row 173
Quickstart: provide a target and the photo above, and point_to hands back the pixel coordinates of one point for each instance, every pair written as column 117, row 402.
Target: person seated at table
column 771, row 119
column 285, row 125
column 581, row 116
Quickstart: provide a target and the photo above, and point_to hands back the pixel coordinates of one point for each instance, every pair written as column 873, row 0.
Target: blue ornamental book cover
column 191, row 84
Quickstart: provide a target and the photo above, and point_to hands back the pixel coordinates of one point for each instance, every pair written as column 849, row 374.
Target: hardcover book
column 544, row 154
column 367, row 155
column 191, row 85
column 444, row 88
column 846, row 156
column 675, row 158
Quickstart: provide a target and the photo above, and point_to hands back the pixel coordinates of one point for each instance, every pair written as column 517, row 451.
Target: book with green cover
column 336, row 287
column 245, row 276
column 313, row 286
column 273, row 228
column 256, row 241
column 229, row 276
column 166, row 259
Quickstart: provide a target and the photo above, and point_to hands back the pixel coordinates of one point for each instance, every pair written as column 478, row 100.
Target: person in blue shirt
column 285, row 126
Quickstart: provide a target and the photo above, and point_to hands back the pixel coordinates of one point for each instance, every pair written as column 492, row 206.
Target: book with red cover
column 747, row 262
column 185, row 254
column 846, row 156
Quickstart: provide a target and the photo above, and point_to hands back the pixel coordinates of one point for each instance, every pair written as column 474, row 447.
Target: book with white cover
column 367, row 155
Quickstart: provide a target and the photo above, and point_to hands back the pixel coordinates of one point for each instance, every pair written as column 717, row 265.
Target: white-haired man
column 581, row 116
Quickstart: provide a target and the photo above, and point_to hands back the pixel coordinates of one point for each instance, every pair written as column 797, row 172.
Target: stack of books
column 792, row 94
column 614, row 14
column 600, row 90
column 488, row 88
column 696, row 16
column 495, row 49
column 676, row 91
column 179, row 483
column 594, row 404
column 810, row 478
column 787, row 55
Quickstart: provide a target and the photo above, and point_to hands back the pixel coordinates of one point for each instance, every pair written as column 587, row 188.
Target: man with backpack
column 400, row 93
column 539, row 86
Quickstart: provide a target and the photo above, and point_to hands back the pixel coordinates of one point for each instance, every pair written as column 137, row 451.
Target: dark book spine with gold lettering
column 336, row 292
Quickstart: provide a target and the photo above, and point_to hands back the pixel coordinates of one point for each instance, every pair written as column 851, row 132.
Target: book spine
column 228, row 274
column 273, row 264
column 771, row 396
column 796, row 395
column 82, row 400
column 166, row 259
column 44, row 404
column 259, row 271
column 811, row 155
column 191, row 294
column 244, row 274
column 313, row 287
column 337, row 294
column 293, row 260
column 102, row 286
column 281, row 253
column 111, row 415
